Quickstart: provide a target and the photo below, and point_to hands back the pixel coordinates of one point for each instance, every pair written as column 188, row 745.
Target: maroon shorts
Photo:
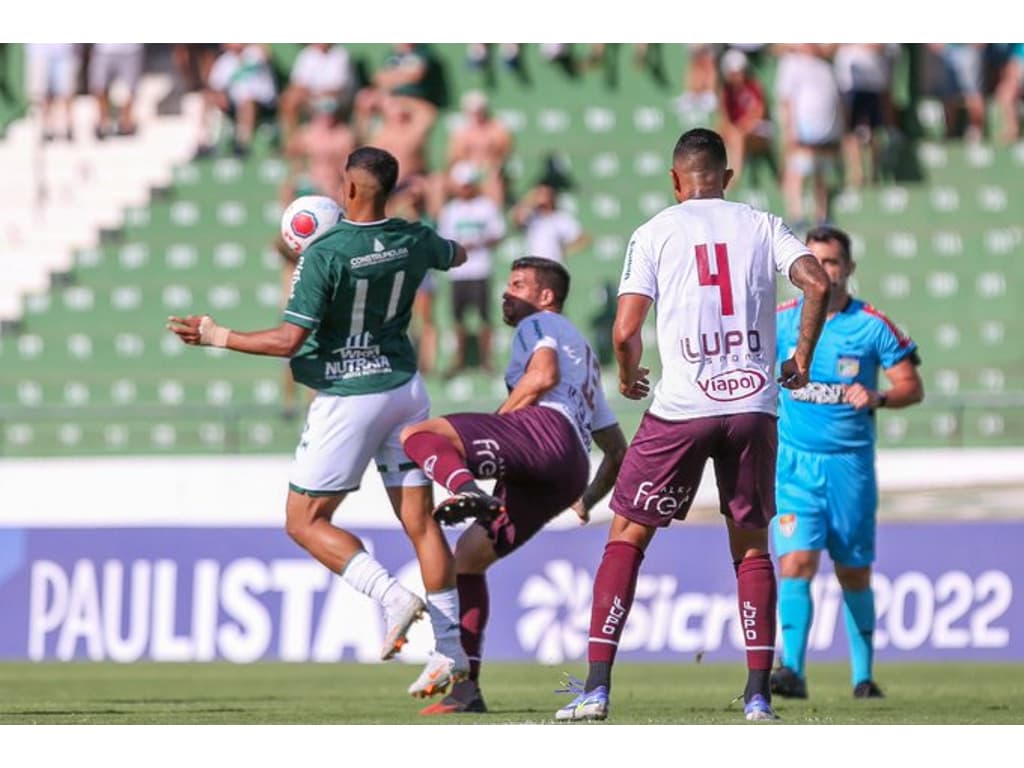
column 665, row 461
column 538, row 461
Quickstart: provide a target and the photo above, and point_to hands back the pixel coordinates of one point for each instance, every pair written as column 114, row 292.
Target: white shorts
column 343, row 433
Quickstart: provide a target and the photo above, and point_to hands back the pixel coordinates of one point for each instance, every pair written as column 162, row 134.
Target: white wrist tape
column 211, row 334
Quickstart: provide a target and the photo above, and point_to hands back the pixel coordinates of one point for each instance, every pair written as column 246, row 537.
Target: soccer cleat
column 758, row 709
column 463, row 506
column 588, row 705
column 440, row 673
column 398, row 624
column 867, row 689
column 788, row 684
column 464, row 698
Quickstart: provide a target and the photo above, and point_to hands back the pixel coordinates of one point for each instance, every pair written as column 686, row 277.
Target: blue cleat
column 588, row 705
column 758, row 709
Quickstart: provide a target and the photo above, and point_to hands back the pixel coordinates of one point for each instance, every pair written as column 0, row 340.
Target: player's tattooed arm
column 809, row 276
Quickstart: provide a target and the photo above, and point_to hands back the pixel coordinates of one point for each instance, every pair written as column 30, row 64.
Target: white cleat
column 411, row 610
column 440, row 673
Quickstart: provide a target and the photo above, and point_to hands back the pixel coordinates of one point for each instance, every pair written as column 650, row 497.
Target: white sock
column 443, row 608
column 366, row 575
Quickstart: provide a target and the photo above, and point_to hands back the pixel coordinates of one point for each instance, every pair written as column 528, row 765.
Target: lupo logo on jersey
column 723, row 346
column 733, row 385
column 304, row 223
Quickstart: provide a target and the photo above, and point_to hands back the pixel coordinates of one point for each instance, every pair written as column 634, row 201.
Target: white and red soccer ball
column 306, row 219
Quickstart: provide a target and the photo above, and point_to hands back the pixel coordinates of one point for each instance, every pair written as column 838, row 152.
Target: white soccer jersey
column 578, row 394
column 472, row 223
column 710, row 267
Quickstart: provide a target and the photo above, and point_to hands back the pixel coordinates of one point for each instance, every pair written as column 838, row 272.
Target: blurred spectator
column 745, row 127
column 241, row 85
column 700, row 85
column 320, row 71
column 194, row 62
column 1008, row 93
column 484, row 141
column 864, row 75
column 52, row 69
column 551, row 233
column 561, row 55
column 317, row 152
column 398, row 131
column 475, row 221
column 962, row 64
column 110, row 62
column 811, row 114
column 409, row 202
column 412, row 77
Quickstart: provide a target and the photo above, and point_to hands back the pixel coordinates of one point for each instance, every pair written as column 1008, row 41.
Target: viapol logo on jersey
column 733, row 385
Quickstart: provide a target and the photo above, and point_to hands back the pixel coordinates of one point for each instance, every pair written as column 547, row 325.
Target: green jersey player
column 345, row 330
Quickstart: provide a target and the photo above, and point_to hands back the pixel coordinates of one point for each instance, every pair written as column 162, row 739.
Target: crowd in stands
column 825, row 115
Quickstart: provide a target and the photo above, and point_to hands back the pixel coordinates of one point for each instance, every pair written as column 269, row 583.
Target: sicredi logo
column 733, row 385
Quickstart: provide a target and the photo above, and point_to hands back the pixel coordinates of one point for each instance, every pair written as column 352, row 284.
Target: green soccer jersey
column 354, row 287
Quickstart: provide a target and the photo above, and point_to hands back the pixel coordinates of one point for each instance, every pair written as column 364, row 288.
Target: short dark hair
column 379, row 163
column 702, row 145
column 826, row 234
column 550, row 274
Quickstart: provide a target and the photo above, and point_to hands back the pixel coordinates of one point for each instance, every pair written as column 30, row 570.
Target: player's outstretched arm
column 628, row 344
column 541, row 375
column 203, row 331
column 613, row 443
column 810, row 277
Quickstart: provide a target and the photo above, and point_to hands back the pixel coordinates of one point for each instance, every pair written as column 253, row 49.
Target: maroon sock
column 439, row 460
column 474, row 608
column 614, row 586
column 755, row 579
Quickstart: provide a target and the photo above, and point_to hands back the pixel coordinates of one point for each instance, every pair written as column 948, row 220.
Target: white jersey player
column 710, row 267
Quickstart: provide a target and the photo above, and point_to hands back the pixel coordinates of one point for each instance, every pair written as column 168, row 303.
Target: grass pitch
column 354, row 694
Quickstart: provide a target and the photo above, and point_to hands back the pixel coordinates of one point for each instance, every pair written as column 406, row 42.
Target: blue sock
column 795, row 613
column 859, row 611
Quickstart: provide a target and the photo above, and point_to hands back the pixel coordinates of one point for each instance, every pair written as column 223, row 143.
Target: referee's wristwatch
column 882, row 399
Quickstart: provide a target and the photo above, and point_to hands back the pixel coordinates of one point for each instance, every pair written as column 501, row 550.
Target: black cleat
column 867, row 689
column 788, row 684
column 462, row 506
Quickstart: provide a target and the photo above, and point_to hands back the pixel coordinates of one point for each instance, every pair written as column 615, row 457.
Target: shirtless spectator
column 399, row 133
column 317, row 152
column 484, row 141
column 320, row 71
column 412, row 77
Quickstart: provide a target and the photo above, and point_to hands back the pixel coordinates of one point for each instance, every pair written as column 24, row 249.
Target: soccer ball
column 306, row 219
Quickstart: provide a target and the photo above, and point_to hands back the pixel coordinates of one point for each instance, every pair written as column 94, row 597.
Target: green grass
column 354, row 694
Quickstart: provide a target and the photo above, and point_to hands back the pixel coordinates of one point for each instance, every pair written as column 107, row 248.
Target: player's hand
column 186, row 328
column 581, row 512
column 860, row 397
column 792, row 376
column 635, row 386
